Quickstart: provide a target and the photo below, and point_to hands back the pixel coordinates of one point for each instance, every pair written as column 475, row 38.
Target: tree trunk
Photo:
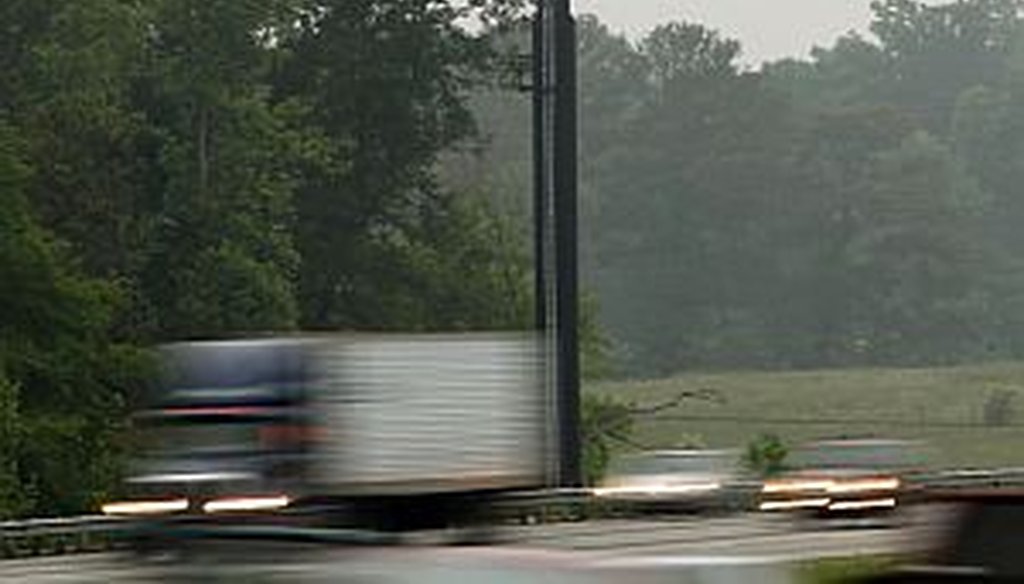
column 203, row 150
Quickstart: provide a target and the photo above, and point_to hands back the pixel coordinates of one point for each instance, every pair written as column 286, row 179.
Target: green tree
column 384, row 85
column 925, row 255
column 13, row 498
column 68, row 88
column 988, row 139
column 677, row 204
column 852, row 73
column 887, row 249
column 935, row 52
column 72, row 381
column 223, row 258
column 681, row 51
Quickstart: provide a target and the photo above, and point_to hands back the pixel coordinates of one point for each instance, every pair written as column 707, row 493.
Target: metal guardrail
column 94, row 533
column 51, row 536
column 972, row 479
column 546, row 505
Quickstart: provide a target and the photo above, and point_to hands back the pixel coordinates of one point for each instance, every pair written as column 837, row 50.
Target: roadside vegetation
column 948, row 408
column 843, row 570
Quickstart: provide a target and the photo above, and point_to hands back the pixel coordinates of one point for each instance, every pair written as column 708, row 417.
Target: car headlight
column 865, row 485
column 796, row 486
column 655, row 490
column 886, row 503
column 792, row 504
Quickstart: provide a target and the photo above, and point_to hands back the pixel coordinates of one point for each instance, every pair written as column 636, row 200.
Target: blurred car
column 974, row 537
column 843, row 478
column 671, row 480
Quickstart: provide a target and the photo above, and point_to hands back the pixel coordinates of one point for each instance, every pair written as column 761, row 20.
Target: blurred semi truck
column 380, row 431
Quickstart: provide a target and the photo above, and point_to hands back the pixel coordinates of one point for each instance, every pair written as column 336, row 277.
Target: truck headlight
column 155, row 507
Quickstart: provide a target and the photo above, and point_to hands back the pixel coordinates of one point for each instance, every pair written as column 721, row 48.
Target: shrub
column 765, row 455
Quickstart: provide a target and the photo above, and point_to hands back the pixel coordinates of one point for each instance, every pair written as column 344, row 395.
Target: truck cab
column 228, row 430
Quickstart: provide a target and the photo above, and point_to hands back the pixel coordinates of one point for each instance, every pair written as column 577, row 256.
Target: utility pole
column 555, row 215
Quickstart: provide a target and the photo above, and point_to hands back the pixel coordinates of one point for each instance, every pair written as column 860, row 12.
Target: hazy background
column 769, row 29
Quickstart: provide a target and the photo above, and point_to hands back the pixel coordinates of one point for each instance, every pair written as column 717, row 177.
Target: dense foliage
column 177, row 169
column 857, row 208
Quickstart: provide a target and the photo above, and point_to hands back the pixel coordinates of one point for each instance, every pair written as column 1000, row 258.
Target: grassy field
column 943, row 406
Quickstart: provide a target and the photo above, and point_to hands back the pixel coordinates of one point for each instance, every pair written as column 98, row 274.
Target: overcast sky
column 768, row 29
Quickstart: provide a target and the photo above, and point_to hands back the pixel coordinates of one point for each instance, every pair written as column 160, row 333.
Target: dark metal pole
column 566, row 264
column 540, row 171
column 555, row 216
column 544, row 170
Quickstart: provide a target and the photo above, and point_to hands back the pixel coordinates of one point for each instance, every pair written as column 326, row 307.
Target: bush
column 605, row 422
column 765, row 455
column 13, row 499
column 999, row 407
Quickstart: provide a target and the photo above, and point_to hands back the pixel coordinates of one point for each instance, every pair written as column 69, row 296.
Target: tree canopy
column 856, row 207
column 198, row 169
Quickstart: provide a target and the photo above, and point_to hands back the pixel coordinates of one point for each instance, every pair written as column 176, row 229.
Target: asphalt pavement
column 750, row 538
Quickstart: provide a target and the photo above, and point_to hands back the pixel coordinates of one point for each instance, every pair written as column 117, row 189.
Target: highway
column 756, row 536
column 671, row 539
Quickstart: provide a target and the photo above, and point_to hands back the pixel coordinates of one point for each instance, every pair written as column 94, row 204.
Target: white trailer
column 417, row 414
